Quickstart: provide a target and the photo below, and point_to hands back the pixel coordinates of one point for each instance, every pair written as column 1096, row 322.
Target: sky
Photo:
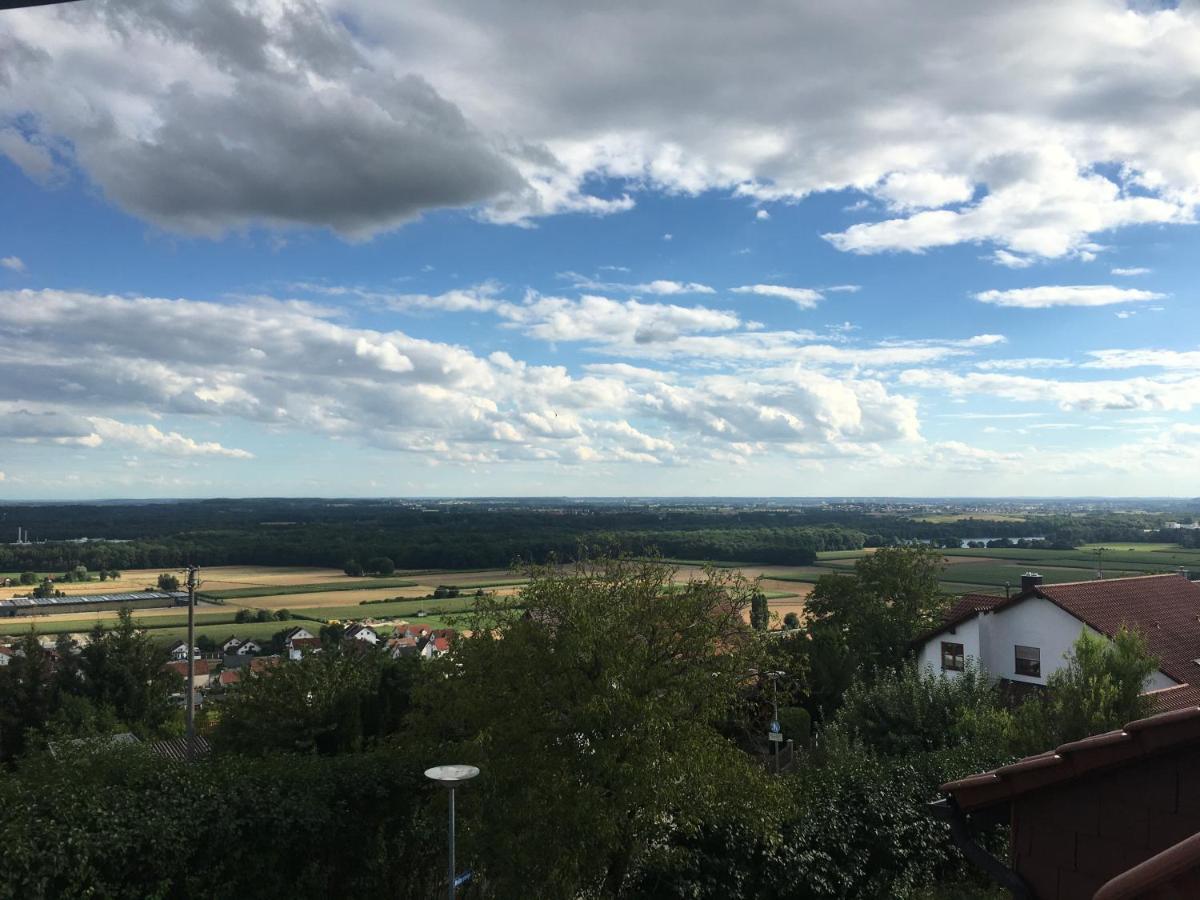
column 455, row 248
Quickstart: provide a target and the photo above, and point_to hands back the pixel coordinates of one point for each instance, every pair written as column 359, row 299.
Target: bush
column 106, row 824
column 353, row 568
column 168, row 582
column 897, row 713
column 29, row 578
column 283, row 615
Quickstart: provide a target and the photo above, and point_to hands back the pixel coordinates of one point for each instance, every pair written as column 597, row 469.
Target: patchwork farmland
column 325, row 595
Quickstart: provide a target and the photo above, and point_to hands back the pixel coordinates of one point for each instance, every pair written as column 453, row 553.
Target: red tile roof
column 180, row 666
column 1145, row 737
column 230, row 676
column 1179, row 696
column 1166, row 608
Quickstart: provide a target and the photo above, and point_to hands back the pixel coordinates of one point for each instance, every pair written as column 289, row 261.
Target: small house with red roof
column 1025, row 638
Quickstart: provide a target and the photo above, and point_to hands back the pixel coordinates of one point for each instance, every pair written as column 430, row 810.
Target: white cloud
column 1065, row 295
column 1028, row 362
column 1146, row 394
column 1132, row 270
column 12, row 263
column 805, row 298
column 762, row 215
column 1135, row 359
column 923, row 190
column 287, row 366
column 149, row 437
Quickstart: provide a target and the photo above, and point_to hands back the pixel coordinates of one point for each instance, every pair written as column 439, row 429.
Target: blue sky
column 347, row 249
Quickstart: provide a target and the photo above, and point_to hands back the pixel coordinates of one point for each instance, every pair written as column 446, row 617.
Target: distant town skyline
column 350, row 248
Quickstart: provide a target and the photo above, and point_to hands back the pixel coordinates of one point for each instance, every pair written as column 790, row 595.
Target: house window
column 1029, row 661
column 953, row 659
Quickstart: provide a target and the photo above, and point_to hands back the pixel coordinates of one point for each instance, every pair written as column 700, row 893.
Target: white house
column 299, row 632
column 362, row 633
column 1026, row 637
column 230, row 645
column 6, row 655
column 248, row 647
column 178, row 651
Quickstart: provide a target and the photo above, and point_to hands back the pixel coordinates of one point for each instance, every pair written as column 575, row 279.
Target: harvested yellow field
column 327, row 598
column 218, row 578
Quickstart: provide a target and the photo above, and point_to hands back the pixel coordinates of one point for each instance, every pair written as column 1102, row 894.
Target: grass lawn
column 43, row 625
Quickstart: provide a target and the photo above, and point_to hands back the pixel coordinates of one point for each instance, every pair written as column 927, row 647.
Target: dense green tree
column 122, row 668
column 29, row 578
column 28, row 696
column 353, row 567
column 791, row 621
column 380, row 565
column 325, row 703
column 1099, row 689
column 867, row 620
column 916, row 710
column 168, row 582
column 595, row 715
column 760, row 613
column 283, row 615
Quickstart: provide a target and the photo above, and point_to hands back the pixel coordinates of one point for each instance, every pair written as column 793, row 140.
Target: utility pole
column 191, row 666
column 775, row 712
column 1100, row 563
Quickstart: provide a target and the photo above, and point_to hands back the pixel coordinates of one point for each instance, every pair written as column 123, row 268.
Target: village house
column 202, row 674
column 178, row 651
column 229, row 677
column 360, row 632
column 1023, row 639
column 296, row 633
column 6, row 655
column 230, row 645
column 302, row 647
column 248, row 647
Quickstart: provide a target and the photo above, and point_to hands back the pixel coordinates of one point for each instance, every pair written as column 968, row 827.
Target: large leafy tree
column 122, row 669
column 28, row 696
column 1099, row 689
column 594, row 708
column 327, row 703
column 866, row 620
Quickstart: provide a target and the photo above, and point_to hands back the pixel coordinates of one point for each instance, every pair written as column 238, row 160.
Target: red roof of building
column 306, row 643
column 1166, row 608
column 261, row 663
column 180, row 666
column 1145, row 737
column 230, row 676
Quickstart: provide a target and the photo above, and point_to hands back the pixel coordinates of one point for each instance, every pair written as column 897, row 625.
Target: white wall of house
column 965, row 633
column 992, row 638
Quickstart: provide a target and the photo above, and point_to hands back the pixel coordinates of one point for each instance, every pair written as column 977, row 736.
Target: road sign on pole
column 775, row 736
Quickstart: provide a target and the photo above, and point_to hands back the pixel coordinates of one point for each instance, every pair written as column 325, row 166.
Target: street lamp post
column 774, row 676
column 451, row 777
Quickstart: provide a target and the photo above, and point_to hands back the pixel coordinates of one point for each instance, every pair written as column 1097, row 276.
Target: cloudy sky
column 442, row 247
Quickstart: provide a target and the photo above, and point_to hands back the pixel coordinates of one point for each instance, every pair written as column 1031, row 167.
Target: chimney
column 1029, row 581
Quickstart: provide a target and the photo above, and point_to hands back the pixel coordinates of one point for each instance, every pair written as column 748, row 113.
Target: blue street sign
column 775, row 728
column 463, row 878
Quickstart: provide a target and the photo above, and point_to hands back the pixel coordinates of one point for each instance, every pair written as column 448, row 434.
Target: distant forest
column 485, row 535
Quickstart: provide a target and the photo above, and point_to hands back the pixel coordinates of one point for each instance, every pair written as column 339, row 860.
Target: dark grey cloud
column 249, row 118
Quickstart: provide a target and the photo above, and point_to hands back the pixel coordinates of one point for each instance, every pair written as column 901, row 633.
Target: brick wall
column 1068, row 839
